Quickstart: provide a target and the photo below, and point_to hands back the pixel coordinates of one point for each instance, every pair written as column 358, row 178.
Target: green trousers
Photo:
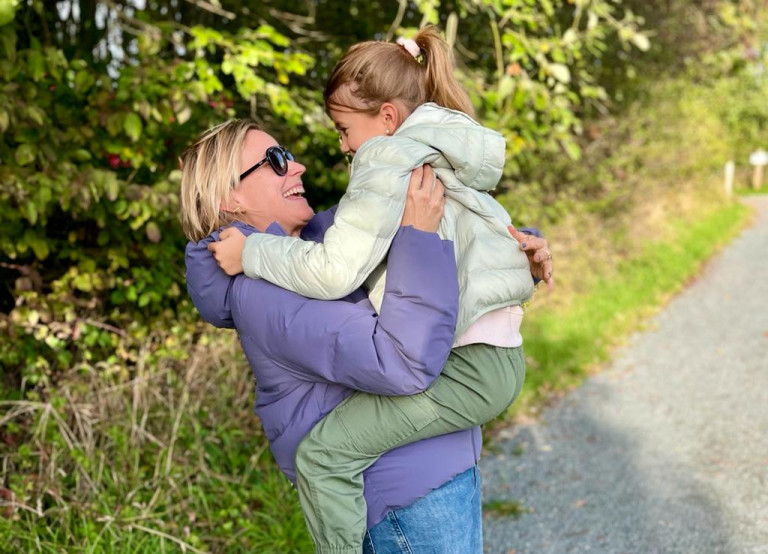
column 477, row 384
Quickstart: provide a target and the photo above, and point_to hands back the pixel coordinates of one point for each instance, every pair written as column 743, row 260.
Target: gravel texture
column 666, row 450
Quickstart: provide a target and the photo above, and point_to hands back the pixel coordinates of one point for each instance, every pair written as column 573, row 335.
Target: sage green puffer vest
column 468, row 158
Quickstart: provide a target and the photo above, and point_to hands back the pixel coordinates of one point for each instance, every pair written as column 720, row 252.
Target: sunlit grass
column 750, row 191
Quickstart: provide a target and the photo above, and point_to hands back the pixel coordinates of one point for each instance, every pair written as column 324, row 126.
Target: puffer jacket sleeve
column 399, row 352
column 208, row 286
column 365, row 223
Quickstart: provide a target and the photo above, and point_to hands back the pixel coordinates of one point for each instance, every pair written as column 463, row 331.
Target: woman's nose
column 344, row 146
column 296, row 168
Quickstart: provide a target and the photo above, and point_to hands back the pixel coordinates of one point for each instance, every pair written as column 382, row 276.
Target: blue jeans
column 446, row 521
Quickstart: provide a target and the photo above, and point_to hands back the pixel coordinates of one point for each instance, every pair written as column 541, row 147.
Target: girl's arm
column 365, row 223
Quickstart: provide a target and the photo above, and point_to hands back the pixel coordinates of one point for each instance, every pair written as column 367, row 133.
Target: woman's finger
column 427, row 182
column 438, row 189
column 417, row 177
column 428, row 177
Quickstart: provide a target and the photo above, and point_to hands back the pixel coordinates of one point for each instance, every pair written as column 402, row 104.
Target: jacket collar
column 309, row 232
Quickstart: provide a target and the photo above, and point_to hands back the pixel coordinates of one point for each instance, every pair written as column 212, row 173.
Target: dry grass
column 171, row 459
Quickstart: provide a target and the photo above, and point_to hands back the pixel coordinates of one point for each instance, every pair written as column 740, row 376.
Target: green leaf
column 144, row 299
column 38, row 244
column 36, row 114
column 111, row 187
column 7, row 11
column 40, row 248
column 5, row 121
column 560, row 72
column 30, row 211
column 84, row 80
column 506, row 86
column 25, row 154
column 81, row 155
column 132, row 126
column 83, row 282
column 36, row 64
column 183, row 115
column 572, row 149
column 114, row 123
column 641, row 41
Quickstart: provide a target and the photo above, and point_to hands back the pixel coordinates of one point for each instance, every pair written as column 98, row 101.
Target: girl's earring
column 387, row 131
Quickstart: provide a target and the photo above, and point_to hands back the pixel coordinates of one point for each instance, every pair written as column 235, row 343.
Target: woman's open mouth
column 295, row 192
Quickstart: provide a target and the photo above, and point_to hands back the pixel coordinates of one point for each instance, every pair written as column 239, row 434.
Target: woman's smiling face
column 264, row 196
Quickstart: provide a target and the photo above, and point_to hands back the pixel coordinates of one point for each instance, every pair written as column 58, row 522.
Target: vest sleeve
column 365, row 222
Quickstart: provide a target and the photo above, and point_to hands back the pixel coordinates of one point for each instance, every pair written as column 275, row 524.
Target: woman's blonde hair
column 374, row 72
column 210, row 170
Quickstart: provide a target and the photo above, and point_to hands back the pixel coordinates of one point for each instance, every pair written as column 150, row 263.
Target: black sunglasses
column 278, row 158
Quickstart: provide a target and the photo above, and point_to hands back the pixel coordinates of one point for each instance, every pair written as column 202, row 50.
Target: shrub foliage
column 98, row 99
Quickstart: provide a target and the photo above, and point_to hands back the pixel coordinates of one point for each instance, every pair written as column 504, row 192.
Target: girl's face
column 356, row 127
column 264, row 196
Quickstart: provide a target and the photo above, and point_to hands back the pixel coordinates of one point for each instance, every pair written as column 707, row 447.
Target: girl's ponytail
column 373, row 72
column 442, row 87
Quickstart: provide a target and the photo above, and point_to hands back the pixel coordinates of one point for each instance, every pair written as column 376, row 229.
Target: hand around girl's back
column 425, row 201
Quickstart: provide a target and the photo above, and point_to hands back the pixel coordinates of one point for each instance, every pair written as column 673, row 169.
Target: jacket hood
column 476, row 153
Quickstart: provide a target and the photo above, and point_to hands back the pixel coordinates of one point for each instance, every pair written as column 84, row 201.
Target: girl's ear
column 390, row 115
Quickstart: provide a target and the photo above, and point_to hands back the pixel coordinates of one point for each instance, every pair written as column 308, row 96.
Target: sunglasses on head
column 278, row 158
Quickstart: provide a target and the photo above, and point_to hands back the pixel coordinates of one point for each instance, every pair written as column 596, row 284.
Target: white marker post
column 759, row 159
column 730, row 173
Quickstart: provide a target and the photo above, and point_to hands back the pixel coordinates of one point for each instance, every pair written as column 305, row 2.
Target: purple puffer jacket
column 308, row 355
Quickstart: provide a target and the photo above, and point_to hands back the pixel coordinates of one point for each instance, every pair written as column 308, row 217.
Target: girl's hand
column 539, row 255
column 228, row 250
column 425, row 202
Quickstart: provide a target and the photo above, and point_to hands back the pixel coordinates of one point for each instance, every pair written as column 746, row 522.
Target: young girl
column 398, row 106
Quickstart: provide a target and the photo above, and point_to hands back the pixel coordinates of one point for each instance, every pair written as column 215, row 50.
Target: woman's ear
column 229, row 203
column 390, row 115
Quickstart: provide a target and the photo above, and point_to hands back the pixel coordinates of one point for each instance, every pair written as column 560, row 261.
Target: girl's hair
column 374, row 72
column 210, row 170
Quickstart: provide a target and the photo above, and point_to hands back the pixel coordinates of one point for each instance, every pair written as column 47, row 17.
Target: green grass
column 750, row 191
column 504, row 508
column 563, row 344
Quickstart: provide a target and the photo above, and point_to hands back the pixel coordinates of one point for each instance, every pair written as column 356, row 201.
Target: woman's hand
column 228, row 250
column 425, row 202
column 539, row 255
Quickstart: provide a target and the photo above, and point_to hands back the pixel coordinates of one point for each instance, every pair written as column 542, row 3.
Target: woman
column 308, row 355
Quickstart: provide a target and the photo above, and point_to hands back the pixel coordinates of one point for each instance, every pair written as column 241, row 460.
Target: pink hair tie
column 410, row 45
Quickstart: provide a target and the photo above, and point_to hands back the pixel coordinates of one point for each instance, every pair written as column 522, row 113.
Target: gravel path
column 665, row 451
